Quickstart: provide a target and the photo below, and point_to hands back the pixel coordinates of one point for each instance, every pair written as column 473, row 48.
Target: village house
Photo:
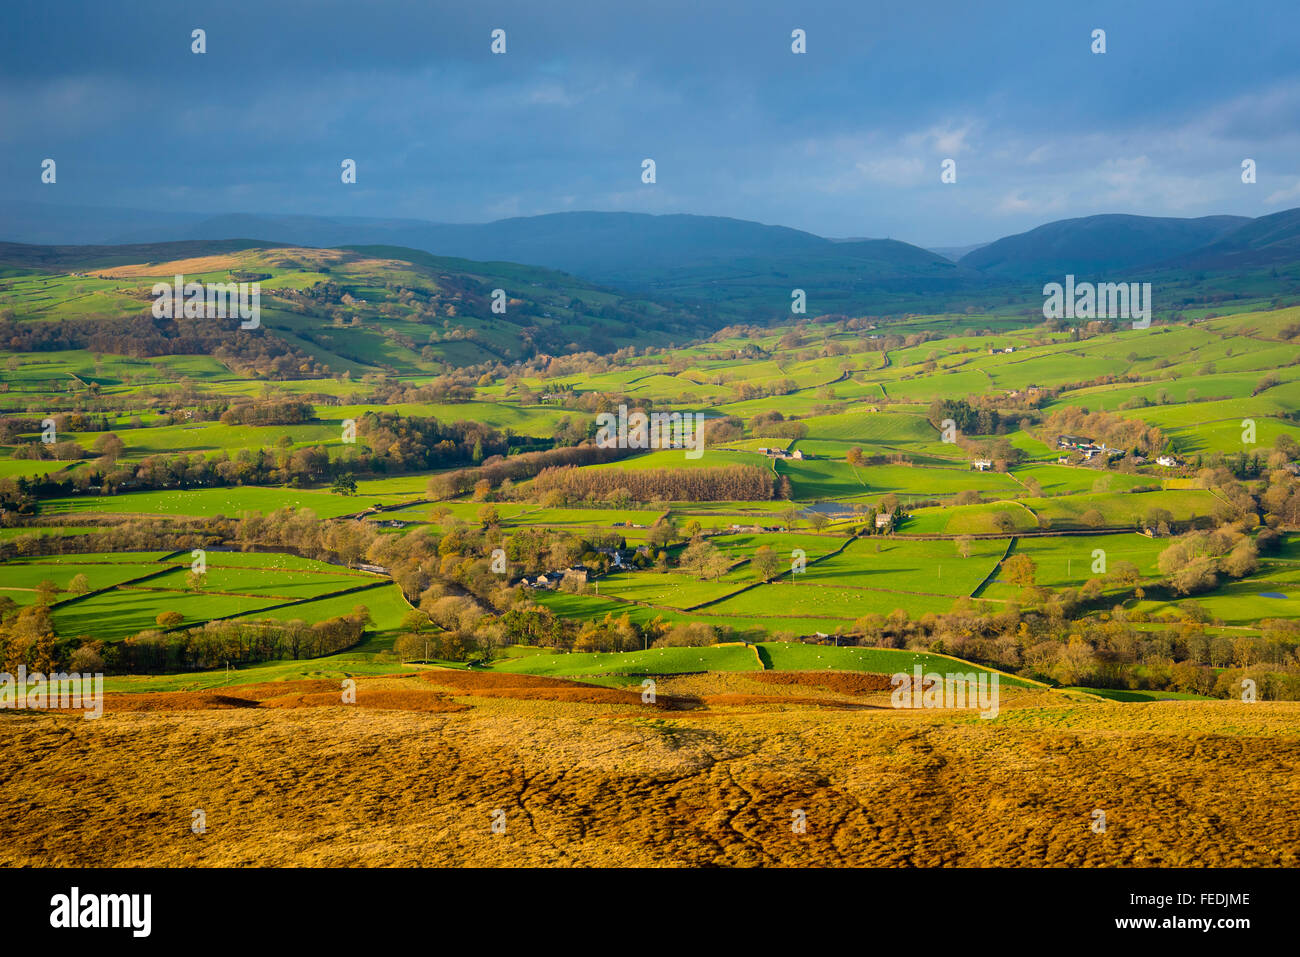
column 782, row 453
column 615, row 555
column 577, row 575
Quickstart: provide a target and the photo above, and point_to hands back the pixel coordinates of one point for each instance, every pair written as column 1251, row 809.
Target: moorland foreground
column 713, row 774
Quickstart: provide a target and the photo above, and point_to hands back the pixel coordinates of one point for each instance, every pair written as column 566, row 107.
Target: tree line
column 724, row 483
column 248, row 352
column 27, row 638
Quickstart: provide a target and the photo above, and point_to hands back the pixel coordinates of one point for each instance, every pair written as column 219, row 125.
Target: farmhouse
column 884, row 520
column 616, row 555
column 982, row 465
column 1168, row 461
column 1087, row 447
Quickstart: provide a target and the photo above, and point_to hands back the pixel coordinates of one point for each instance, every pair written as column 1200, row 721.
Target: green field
column 424, row 345
column 130, row 589
column 208, row 502
column 778, row 656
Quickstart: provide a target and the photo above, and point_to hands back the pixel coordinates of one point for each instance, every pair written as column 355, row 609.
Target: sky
column 845, row 140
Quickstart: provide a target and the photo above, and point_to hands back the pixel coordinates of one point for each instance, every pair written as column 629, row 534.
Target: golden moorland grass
column 712, row 774
column 194, row 266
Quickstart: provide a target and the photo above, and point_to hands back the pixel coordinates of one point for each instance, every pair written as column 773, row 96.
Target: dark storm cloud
column 845, row 140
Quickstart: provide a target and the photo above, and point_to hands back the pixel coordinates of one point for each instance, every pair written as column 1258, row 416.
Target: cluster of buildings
column 782, row 453
column 579, row 574
column 550, row 581
column 1090, row 449
column 1087, row 448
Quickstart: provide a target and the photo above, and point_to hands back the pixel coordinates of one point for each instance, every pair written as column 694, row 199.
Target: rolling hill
column 363, row 307
column 709, row 271
column 1095, row 244
column 1265, row 241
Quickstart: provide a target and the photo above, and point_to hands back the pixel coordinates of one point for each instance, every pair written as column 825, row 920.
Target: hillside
column 744, row 269
column 1094, row 244
column 1266, row 241
column 346, row 310
column 709, row 271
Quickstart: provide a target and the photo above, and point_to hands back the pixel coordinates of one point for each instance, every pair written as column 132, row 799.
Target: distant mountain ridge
column 1095, row 244
column 724, row 264
column 633, row 249
column 1265, row 241
column 732, row 266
